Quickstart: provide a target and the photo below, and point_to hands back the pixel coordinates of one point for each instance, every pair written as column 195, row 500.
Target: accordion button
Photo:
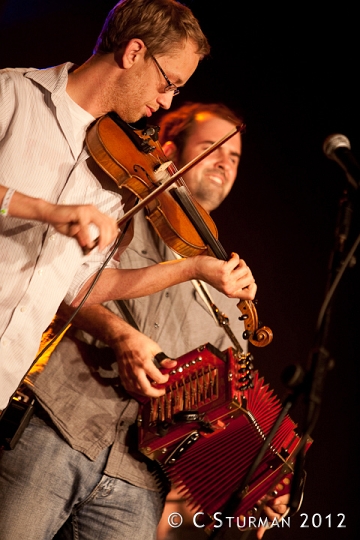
column 286, row 481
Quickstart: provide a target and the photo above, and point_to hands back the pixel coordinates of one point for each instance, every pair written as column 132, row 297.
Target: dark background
column 293, row 73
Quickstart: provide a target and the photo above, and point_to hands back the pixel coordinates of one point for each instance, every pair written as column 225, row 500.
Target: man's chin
column 214, row 203
column 210, row 204
column 131, row 118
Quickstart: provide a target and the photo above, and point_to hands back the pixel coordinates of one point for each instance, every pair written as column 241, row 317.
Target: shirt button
column 40, row 272
column 167, row 294
column 22, row 309
column 156, row 325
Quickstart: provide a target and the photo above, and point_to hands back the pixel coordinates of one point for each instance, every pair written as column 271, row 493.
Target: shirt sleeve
column 89, row 269
column 7, row 102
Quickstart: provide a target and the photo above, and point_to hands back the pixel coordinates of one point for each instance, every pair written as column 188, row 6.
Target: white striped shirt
column 38, row 266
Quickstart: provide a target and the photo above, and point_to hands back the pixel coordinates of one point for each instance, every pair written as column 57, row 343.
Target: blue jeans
column 48, row 490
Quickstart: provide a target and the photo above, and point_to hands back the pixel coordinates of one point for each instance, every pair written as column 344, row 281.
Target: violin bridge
column 163, row 166
column 161, row 172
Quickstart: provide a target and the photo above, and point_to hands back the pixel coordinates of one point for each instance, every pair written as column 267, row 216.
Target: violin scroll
column 259, row 337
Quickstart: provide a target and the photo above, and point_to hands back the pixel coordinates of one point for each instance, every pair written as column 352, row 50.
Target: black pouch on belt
column 15, row 417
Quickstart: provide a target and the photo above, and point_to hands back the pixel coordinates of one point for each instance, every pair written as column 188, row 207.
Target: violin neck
column 181, row 196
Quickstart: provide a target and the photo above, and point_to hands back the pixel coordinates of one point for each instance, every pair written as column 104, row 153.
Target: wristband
column 4, row 210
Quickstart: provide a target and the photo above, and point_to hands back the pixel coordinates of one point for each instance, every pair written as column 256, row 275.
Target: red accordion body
column 207, row 430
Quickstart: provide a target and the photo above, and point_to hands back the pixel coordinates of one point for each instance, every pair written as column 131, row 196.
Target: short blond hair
column 163, row 25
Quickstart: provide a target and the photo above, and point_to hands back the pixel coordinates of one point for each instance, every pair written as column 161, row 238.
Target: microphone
column 337, row 147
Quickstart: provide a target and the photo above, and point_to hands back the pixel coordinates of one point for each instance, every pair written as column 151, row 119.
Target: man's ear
column 133, row 51
column 170, row 150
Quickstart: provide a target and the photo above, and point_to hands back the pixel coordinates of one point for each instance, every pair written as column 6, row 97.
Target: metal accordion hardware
column 208, row 428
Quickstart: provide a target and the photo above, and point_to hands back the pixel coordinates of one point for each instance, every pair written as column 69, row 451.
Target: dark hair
column 177, row 125
column 163, row 25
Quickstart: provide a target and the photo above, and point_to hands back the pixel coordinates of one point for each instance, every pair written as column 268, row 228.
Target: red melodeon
column 208, row 428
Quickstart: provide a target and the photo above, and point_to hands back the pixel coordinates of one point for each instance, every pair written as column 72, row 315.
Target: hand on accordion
column 135, row 355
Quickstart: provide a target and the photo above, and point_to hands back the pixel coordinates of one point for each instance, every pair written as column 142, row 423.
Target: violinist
column 82, row 438
column 145, row 52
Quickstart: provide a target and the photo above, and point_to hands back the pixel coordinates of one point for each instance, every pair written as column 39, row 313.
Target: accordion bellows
column 209, row 427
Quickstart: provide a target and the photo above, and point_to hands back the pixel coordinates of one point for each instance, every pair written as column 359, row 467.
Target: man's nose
column 165, row 100
column 223, row 161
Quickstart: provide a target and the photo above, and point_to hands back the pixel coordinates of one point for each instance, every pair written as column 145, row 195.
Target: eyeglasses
column 170, row 87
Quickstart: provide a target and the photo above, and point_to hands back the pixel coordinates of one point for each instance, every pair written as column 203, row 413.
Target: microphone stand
column 320, row 360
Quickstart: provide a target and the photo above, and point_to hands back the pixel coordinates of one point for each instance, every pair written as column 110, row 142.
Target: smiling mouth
column 217, row 179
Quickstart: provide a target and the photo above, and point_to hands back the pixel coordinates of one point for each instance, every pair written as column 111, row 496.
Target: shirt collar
column 53, row 79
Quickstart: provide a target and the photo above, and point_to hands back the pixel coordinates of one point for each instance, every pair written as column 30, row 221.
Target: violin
column 135, row 160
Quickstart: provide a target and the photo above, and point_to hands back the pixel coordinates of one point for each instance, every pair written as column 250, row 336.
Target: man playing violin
column 49, row 195
column 81, row 472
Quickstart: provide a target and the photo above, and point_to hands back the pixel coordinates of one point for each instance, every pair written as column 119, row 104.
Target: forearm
column 25, row 207
column 134, row 283
column 232, row 277
column 70, row 220
column 99, row 322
